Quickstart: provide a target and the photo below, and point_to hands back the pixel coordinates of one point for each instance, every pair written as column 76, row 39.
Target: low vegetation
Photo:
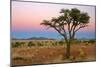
column 25, row 52
column 48, row 43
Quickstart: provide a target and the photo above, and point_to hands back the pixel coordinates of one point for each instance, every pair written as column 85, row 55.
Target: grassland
column 28, row 52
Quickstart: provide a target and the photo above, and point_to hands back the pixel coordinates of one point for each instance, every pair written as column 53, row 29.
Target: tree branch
column 81, row 27
column 58, row 31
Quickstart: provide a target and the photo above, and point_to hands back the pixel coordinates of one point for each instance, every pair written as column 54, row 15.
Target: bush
column 55, row 43
column 22, row 43
column 61, row 42
column 39, row 44
column 92, row 41
column 16, row 44
column 31, row 44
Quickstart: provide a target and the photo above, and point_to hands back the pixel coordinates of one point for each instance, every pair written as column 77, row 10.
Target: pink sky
column 27, row 16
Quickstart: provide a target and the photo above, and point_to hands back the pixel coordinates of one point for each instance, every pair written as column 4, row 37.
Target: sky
column 27, row 16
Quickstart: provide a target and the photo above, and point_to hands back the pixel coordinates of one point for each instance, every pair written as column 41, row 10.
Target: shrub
column 16, row 44
column 31, row 44
column 22, row 43
column 61, row 42
column 53, row 43
column 92, row 41
column 39, row 44
column 56, row 43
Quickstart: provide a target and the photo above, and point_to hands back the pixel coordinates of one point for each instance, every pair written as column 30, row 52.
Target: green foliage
column 92, row 41
column 22, row 43
column 49, row 43
column 89, row 42
column 61, row 42
column 54, row 43
column 31, row 44
column 16, row 44
column 39, row 44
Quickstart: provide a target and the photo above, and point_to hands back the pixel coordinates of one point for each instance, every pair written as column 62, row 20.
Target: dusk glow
column 27, row 16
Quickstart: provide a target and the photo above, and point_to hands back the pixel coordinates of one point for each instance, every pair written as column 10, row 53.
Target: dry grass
column 53, row 54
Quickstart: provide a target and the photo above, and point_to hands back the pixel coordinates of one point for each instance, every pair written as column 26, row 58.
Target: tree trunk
column 73, row 36
column 68, row 48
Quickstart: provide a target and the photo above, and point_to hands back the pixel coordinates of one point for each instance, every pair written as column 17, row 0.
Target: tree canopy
column 74, row 19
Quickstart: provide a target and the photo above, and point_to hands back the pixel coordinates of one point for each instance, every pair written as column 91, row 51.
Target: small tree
column 67, row 24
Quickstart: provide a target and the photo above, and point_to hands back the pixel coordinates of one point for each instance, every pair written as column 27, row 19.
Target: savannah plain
column 33, row 52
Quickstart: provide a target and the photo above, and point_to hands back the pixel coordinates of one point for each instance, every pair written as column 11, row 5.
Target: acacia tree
column 67, row 24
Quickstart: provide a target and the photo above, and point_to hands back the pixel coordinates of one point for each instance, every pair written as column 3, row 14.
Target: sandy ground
column 53, row 54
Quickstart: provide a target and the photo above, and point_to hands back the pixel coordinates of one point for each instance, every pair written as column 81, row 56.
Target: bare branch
column 82, row 26
column 59, row 31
